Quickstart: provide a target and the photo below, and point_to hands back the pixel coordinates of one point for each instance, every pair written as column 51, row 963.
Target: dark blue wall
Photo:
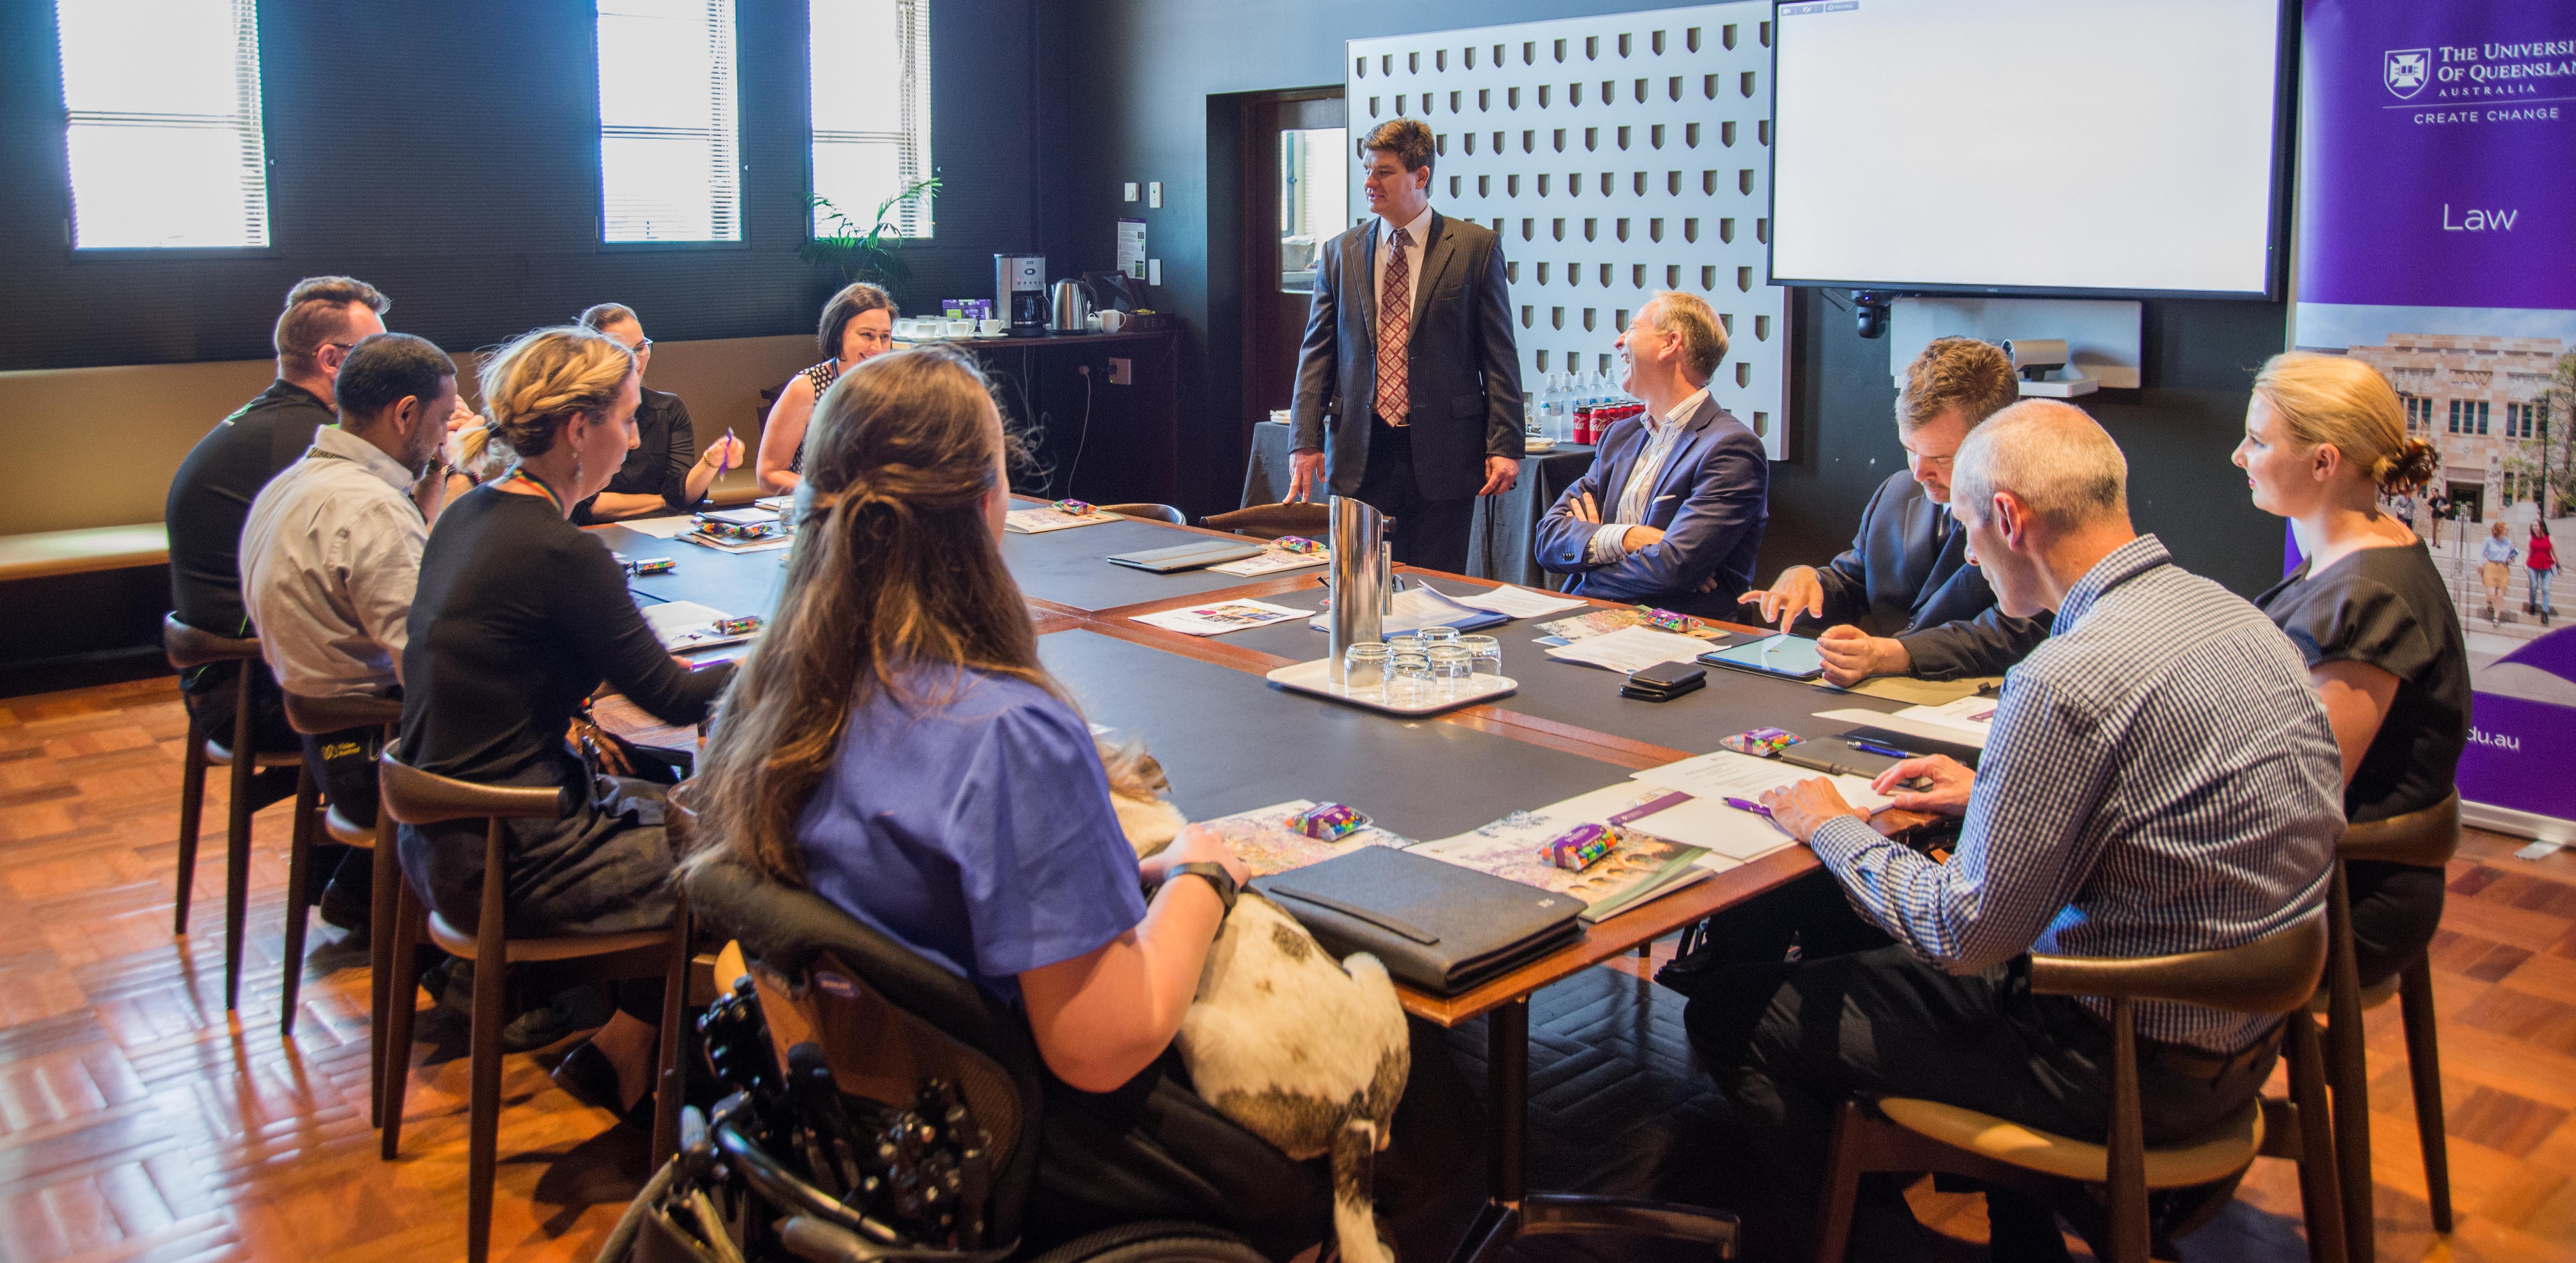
column 448, row 153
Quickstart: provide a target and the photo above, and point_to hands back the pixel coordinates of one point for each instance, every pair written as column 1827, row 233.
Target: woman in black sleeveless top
column 857, row 324
column 2325, row 436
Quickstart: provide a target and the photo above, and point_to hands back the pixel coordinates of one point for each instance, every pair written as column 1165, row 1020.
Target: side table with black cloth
column 1498, row 541
column 209, row 499
column 520, row 616
column 665, row 450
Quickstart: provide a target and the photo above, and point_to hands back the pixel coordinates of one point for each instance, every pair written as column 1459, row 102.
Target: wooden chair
column 2427, row 839
column 415, row 797
column 1270, row 521
column 317, row 716
column 187, row 648
column 2275, row 974
column 1149, row 512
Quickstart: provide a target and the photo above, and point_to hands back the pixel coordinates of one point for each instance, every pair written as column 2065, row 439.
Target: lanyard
column 520, row 474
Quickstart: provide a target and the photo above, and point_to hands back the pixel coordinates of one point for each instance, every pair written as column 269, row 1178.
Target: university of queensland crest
column 2406, row 71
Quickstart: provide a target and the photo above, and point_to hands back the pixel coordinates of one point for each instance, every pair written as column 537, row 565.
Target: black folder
column 1435, row 926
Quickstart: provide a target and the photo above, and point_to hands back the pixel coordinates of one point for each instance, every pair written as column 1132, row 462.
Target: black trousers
column 344, row 764
column 213, row 695
column 1788, row 1041
column 2395, row 910
column 1428, row 533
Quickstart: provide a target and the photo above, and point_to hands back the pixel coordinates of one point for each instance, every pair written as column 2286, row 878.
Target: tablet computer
column 1789, row 657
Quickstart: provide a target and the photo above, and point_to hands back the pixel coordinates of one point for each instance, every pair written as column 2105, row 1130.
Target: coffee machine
column 1021, row 293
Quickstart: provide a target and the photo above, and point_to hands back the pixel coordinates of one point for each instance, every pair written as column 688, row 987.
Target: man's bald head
column 2052, row 457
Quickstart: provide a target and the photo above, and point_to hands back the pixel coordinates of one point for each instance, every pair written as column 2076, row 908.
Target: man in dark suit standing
column 1408, row 382
column 1671, row 512
column 1907, row 570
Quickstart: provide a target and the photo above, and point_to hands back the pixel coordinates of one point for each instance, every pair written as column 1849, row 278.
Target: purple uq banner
column 2437, row 241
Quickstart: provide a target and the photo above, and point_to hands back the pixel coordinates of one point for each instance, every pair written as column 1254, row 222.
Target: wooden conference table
column 1229, row 741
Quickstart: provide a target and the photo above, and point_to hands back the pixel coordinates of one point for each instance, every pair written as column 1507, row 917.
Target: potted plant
column 852, row 253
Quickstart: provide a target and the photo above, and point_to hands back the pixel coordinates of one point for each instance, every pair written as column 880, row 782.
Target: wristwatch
column 1216, row 876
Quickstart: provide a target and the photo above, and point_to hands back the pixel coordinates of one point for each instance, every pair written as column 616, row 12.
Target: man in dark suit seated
column 1671, row 512
column 1408, row 382
column 1907, row 571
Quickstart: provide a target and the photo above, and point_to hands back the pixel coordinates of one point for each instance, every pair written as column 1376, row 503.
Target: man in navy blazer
column 1671, row 512
column 1907, row 572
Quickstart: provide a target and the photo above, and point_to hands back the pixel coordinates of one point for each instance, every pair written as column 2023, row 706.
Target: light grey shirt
column 1608, row 543
column 330, row 557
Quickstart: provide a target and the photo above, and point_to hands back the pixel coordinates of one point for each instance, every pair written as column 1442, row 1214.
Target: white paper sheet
column 1047, row 517
column 686, row 625
column 1219, row 617
column 1519, row 602
column 1414, row 609
column 1914, row 726
column 1631, row 649
column 1973, row 717
column 1726, row 774
column 1724, row 831
column 660, row 527
column 1272, row 561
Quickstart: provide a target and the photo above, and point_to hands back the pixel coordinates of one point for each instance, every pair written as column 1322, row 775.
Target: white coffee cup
column 996, row 328
column 907, row 329
column 1112, row 321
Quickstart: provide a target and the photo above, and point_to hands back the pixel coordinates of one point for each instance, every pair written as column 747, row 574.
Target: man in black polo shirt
column 325, row 316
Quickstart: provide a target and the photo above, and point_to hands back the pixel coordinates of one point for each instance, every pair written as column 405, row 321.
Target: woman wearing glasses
column 857, row 324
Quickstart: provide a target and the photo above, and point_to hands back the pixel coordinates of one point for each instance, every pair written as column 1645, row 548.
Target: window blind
column 870, row 69
column 161, row 123
column 669, row 165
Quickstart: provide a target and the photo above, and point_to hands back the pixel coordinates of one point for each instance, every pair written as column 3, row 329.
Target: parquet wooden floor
column 138, row 1122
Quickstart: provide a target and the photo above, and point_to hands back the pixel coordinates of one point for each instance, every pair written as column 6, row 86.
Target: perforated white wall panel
column 1617, row 156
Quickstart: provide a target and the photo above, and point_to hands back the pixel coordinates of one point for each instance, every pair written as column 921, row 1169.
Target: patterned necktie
column 1394, row 331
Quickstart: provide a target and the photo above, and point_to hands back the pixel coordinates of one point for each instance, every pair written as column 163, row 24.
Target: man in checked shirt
column 2159, row 779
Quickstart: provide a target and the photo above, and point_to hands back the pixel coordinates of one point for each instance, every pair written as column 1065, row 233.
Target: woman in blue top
column 894, row 744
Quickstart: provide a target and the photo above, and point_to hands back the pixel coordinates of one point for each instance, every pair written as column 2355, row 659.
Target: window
column 870, row 68
column 2470, row 416
column 1314, row 199
column 162, row 125
column 667, row 122
column 2419, row 415
column 2522, row 420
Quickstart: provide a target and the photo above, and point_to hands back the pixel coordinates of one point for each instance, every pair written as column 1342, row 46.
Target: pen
column 1645, row 809
column 1872, row 747
column 724, row 459
column 1746, row 804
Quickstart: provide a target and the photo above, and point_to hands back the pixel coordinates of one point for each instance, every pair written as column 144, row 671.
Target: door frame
column 1255, row 241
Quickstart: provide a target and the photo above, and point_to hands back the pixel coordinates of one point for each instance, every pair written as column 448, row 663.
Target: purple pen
column 1747, row 804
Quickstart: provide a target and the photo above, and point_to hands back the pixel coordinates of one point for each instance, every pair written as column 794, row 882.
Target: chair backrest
column 889, row 1016
column 314, row 716
column 1150, row 512
column 195, row 647
column 2273, row 974
column 413, row 796
column 2425, row 838
column 1270, row 521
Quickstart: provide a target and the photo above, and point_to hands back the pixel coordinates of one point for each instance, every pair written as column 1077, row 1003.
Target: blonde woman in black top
column 519, row 617
column 2325, row 437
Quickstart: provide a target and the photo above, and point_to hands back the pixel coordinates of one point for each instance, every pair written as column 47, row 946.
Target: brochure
column 1641, row 866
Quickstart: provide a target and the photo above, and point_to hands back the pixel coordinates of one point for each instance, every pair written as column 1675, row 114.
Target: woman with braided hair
column 2325, row 437
column 519, row 618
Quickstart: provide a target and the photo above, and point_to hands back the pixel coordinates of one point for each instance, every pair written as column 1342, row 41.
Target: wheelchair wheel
column 1155, row 1242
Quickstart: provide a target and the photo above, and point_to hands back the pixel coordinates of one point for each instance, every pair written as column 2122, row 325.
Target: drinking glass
column 1364, row 668
column 1408, row 679
column 1484, row 654
column 1437, row 635
column 1450, row 666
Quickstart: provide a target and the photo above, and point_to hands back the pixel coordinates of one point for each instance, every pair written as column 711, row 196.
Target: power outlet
column 1122, row 372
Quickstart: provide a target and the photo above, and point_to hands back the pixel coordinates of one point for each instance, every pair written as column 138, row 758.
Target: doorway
column 1297, row 167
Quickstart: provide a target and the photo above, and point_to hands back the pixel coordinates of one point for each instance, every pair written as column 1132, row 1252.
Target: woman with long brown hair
column 894, row 744
column 857, row 324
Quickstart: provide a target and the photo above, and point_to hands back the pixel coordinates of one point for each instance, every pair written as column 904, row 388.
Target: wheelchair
column 880, row 1107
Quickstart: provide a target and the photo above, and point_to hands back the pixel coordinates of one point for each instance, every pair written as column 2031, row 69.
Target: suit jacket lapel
column 1360, row 261
column 1438, row 250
